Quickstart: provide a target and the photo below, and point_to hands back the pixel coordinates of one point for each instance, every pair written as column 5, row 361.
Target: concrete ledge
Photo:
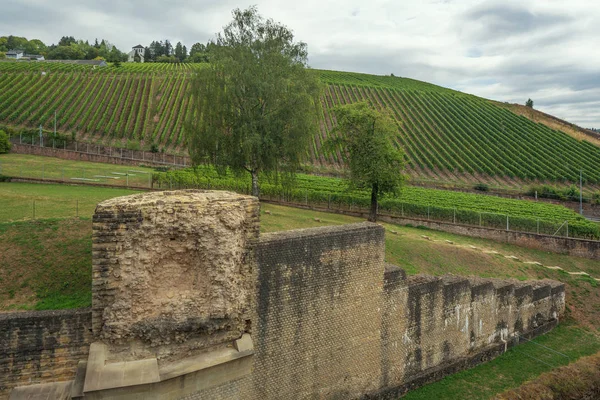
column 100, row 375
column 44, row 391
column 145, row 380
column 208, row 359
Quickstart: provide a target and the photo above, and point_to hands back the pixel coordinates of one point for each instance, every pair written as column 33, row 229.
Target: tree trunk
column 373, row 212
column 255, row 187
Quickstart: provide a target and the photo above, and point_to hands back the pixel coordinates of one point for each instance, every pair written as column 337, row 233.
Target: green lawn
column 23, row 165
column 515, row 367
column 19, row 201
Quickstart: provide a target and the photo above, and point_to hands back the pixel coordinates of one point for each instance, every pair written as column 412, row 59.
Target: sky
column 505, row 50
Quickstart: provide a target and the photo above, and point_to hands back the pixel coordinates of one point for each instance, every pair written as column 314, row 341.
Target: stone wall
column 557, row 244
column 173, row 272
column 188, row 304
column 42, row 346
column 333, row 323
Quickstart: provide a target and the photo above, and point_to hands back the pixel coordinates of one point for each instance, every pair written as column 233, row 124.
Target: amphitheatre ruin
column 189, row 301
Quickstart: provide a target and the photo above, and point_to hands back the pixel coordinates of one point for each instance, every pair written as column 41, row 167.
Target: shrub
column 154, row 148
column 133, row 145
column 482, row 187
column 4, row 143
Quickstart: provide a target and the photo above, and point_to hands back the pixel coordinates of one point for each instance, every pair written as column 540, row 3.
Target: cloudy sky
column 500, row 49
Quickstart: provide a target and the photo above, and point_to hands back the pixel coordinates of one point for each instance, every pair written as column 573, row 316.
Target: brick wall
column 43, row 346
column 332, row 321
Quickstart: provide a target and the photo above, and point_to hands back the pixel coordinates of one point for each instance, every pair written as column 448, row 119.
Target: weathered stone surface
column 173, row 271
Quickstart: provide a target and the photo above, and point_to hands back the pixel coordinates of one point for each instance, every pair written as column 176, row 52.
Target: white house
column 15, row 54
column 136, row 50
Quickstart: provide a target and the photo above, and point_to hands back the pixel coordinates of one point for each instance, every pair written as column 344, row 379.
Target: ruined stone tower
column 173, row 290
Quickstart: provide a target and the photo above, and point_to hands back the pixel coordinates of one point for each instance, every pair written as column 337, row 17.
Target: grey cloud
column 497, row 20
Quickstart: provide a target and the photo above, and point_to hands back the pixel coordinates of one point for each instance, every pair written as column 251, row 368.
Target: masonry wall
column 573, row 247
column 43, row 346
column 334, row 322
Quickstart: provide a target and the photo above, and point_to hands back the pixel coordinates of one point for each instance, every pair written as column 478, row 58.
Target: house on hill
column 136, row 54
column 32, row 57
column 14, row 54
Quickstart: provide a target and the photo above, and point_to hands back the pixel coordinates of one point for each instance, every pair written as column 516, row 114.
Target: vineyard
column 447, row 135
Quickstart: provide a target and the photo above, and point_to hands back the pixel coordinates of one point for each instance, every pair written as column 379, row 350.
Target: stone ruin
column 190, row 303
column 173, row 285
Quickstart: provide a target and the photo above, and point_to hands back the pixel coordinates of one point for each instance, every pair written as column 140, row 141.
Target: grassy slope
column 448, row 135
column 51, row 201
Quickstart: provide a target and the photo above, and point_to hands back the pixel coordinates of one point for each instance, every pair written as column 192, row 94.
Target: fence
column 44, row 209
column 137, row 178
column 62, row 147
column 396, row 208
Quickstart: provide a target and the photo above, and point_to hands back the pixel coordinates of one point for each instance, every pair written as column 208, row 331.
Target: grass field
column 46, row 264
column 21, row 201
column 447, row 135
column 38, row 167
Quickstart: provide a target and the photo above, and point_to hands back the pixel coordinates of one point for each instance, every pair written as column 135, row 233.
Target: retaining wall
column 332, row 322
column 42, row 346
column 120, row 158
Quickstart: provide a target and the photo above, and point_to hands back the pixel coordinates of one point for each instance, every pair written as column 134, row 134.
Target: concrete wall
column 43, row 346
column 333, row 322
column 573, row 247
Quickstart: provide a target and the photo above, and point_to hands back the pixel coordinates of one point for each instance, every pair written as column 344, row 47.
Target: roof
column 14, row 52
column 139, row 46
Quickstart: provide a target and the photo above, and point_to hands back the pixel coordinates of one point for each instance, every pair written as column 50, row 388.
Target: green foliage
column 482, row 187
column 435, row 125
column 570, row 193
column 374, row 163
column 133, row 145
column 529, row 103
column 467, row 208
column 4, row 142
column 254, row 104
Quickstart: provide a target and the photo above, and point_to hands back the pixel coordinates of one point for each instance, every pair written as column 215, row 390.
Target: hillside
column 447, row 135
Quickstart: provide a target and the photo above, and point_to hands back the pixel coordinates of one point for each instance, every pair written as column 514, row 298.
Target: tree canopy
column 4, row 143
column 256, row 101
column 529, row 103
column 374, row 161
